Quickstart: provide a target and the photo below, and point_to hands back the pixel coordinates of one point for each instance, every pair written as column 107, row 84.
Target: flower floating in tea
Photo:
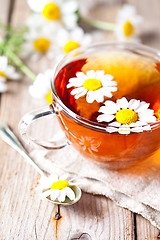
column 127, row 21
column 6, row 72
column 56, row 188
column 57, row 10
column 130, row 116
column 40, row 89
column 94, row 84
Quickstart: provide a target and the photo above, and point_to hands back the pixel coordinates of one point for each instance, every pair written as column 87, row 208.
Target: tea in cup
column 106, row 98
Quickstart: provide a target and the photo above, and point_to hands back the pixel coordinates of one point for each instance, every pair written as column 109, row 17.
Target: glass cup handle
column 29, row 118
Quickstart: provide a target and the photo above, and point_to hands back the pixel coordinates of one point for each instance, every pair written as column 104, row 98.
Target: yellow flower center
column 128, row 29
column 92, row 84
column 2, row 74
column 70, row 46
column 126, row 116
column 60, row 184
column 51, row 11
column 41, row 44
column 49, row 97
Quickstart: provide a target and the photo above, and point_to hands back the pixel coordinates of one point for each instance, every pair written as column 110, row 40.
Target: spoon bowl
column 9, row 137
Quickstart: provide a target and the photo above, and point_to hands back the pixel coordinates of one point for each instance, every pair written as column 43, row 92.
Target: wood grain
column 23, row 215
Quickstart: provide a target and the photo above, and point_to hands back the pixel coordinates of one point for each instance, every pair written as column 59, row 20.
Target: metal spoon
column 9, row 137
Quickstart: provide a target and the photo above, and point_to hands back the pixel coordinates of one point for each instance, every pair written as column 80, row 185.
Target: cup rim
column 77, row 118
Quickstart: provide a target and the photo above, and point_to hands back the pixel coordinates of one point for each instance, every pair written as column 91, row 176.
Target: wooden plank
column 149, row 10
column 24, row 216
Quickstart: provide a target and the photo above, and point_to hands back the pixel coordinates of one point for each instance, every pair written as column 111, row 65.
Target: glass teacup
column 107, row 100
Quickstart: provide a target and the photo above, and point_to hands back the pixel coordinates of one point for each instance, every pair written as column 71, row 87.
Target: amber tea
column 116, row 91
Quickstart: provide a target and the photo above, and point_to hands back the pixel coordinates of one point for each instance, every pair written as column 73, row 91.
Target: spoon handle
column 9, row 137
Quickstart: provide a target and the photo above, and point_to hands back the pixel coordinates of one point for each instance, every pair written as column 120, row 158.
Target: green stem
column 17, row 61
column 99, row 24
column 13, row 57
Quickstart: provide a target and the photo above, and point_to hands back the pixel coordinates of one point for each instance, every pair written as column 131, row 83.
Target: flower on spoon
column 57, row 10
column 56, row 188
column 94, row 84
column 40, row 89
column 127, row 21
column 129, row 116
column 6, row 72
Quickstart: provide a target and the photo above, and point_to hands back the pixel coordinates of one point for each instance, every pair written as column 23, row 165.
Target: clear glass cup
column 90, row 138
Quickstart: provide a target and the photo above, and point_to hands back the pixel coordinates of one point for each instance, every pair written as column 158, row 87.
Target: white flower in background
column 57, row 10
column 71, row 40
column 129, row 116
column 41, row 87
column 6, row 72
column 57, row 188
column 128, row 21
column 39, row 43
column 94, row 84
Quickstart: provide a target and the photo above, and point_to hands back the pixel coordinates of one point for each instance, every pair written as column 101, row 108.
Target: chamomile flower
column 38, row 44
column 94, row 84
column 89, row 144
column 57, row 10
column 6, row 72
column 127, row 21
column 40, row 89
column 129, row 116
column 71, row 40
column 56, row 188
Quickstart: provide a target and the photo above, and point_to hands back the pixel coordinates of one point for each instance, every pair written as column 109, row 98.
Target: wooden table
column 23, row 216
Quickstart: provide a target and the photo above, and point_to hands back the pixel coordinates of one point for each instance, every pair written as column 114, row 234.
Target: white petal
column 122, row 103
column 109, row 108
column 77, row 90
column 148, row 118
column 107, row 83
column 90, row 96
column 46, row 194
column 3, row 87
column 142, row 106
column 81, row 75
column 133, row 104
column 99, row 96
column 82, row 93
column 114, row 124
column 111, row 129
column 91, row 74
column 69, row 7
column 105, row 118
column 70, row 194
column 54, row 194
column 124, row 129
column 137, row 129
column 62, row 195
column 99, row 74
column 112, row 89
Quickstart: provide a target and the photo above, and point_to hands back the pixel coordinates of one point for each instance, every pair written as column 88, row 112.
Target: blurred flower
column 128, row 21
column 71, row 40
column 94, row 84
column 57, row 10
column 38, row 43
column 6, row 72
column 57, row 188
column 130, row 116
column 40, row 89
